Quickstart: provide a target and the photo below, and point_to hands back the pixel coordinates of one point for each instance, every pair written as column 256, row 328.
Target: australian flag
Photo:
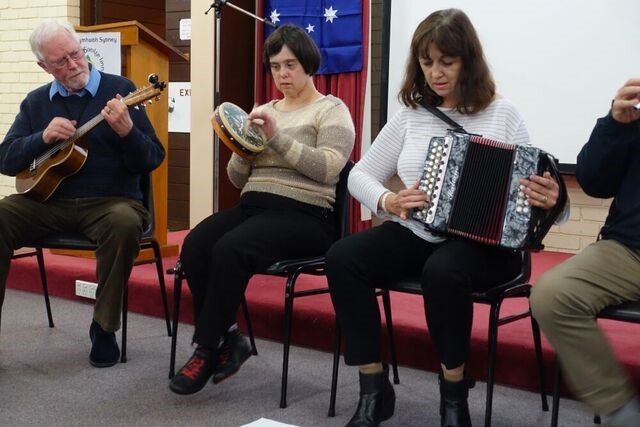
column 335, row 26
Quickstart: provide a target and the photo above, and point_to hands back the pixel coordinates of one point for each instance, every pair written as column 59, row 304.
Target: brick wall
column 586, row 219
column 19, row 72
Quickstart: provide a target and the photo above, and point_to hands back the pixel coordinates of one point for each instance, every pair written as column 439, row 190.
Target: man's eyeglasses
column 74, row 56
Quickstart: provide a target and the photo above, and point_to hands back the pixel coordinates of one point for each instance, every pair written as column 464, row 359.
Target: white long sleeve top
column 400, row 148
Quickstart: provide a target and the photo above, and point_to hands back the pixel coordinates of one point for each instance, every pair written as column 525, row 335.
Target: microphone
column 271, row 24
column 217, row 5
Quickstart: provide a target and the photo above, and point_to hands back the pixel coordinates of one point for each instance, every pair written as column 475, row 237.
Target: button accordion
column 473, row 184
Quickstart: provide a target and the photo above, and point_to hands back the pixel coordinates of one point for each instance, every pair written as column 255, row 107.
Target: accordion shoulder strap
column 442, row 116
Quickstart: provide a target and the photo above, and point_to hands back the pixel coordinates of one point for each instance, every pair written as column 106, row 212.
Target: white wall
column 559, row 61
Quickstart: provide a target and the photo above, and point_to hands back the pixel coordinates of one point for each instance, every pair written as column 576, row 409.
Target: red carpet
column 515, row 364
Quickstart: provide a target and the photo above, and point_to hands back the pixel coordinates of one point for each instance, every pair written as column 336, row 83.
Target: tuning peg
column 153, row 78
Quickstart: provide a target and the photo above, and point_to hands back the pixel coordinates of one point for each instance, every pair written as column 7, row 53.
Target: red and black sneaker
column 235, row 350
column 193, row 376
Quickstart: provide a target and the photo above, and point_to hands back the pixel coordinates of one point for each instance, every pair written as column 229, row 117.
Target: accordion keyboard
column 433, row 175
column 473, row 185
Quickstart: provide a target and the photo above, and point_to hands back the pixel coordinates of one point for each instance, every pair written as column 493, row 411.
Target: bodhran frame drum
column 232, row 126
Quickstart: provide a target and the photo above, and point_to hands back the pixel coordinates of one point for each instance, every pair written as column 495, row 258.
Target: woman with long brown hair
column 447, row 70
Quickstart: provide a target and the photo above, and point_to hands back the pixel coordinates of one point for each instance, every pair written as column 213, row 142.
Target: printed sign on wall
column 103, row 51
column 180, row 107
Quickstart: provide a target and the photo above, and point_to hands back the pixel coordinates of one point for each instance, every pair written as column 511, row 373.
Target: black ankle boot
column 377, row 400
column 454, row 410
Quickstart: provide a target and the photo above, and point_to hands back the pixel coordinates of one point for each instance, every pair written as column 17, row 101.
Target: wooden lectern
column 144, row 53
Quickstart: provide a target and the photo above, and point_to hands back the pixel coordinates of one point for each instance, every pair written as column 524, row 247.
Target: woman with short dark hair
column 285, row 209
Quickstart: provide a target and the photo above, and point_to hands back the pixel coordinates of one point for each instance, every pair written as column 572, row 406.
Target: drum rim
column 232, row 144
column 228, row 130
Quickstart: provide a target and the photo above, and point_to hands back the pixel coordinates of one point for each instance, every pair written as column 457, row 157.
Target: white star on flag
column 330, row 14
column 275, row 16
column 310, row 28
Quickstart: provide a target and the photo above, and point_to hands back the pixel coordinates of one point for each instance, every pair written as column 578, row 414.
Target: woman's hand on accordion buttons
column 402, row 202
column 541, row 191
column 259, row 117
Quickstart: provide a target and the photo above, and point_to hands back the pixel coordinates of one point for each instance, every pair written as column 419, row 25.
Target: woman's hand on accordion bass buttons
column 541, row 191
column 402, row 202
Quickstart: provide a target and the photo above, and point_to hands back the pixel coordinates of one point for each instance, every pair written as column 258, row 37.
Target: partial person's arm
column 238, row 170
column 603, row 161
column 141, row 148
column 379, row 163
column 21, row 144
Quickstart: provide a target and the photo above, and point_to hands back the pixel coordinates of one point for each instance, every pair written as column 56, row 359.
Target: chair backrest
column 147, row 201
column 341, row 205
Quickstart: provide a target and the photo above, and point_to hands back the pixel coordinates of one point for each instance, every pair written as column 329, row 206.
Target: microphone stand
column 217, row 6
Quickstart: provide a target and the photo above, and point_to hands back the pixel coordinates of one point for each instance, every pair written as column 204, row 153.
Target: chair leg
column 45, row 288
column 537, row 342
column 334, row 372
column 177, row 292
column 555, row 403
column 125, row 309
column 247, row 319
column 163, row 289
column 288, row 314
column 491, row 358
column 386, row 303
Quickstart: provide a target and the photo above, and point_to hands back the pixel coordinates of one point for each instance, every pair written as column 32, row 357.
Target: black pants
column 450, row 271
column 222, row 252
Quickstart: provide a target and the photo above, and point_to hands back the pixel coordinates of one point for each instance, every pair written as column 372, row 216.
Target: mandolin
column 65, row 158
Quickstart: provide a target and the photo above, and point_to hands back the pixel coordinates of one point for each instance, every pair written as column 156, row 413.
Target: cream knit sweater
column 304, row 159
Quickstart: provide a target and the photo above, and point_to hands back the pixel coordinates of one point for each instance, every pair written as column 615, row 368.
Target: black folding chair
column 77, row 241
column 290, row 269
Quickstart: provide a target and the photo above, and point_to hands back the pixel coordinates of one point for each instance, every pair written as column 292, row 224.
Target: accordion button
column 519, row 209
column 525, row 210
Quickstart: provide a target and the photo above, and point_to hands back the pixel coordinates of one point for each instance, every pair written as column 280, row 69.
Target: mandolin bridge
column 33, row 167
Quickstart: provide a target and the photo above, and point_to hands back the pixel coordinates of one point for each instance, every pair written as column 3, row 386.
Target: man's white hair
column 45, row 31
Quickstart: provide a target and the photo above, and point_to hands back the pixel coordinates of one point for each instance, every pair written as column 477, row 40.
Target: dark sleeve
column 604, row 159
column 142, row 150
column 21, row 144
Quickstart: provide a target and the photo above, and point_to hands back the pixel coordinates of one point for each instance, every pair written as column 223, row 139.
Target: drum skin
column 232, row 126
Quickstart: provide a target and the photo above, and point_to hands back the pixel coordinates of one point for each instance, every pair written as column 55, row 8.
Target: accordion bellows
column 474, row 187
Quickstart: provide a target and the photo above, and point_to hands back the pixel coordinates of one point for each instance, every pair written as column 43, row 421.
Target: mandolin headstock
column 147, row 93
